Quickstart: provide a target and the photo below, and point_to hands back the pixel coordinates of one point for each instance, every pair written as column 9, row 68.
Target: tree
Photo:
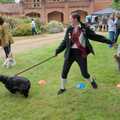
column 116, row 4
column 6, row 1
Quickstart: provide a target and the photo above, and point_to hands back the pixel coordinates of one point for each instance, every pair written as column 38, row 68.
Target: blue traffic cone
column 80, row 86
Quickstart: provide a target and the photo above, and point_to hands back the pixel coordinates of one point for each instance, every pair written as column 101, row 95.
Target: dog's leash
column 25, row 70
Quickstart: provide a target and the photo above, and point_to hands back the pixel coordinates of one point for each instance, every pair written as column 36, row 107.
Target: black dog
column 16, row 84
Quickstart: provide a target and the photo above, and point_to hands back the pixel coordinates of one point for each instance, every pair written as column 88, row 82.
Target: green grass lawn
column 75, row 104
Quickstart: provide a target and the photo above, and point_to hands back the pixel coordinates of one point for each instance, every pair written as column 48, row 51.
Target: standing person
column 77, row 45
column 34, row 32
column 96, row 23
column 6, row 40
column 104, row 23
column 100, row 26
column 89, row 20
column 117, row 27
column 112, row 28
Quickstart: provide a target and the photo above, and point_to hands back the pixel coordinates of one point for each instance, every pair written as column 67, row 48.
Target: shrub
column 22, row 30
column 12, row 22
column 23, row 27
column 40, row 26
column 55, row 27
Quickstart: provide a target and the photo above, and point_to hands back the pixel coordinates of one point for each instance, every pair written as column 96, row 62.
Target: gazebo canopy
column 105, row 11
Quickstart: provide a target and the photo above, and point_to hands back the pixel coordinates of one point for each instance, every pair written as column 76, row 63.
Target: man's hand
column 56, row 54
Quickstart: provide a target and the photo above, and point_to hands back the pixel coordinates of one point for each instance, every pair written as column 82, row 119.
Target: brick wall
column 101, row 4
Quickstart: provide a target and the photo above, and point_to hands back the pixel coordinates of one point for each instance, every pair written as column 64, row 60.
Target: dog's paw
column 25, row 95
column 9, row 63
column 13, row 63
column 4, row 65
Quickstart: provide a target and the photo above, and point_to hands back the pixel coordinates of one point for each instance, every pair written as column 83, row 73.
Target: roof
column 104, row 11
column 10, row 8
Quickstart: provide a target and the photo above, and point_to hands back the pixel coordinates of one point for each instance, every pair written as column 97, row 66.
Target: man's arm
column 62, row 45
column 95, row 37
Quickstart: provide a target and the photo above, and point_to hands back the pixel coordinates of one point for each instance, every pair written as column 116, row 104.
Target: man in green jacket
column 77, row 45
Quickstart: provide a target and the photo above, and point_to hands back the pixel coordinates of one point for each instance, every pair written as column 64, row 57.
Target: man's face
column 73, row 20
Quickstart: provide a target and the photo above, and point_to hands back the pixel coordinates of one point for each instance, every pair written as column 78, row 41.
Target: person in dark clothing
column 7, row 50
column 117, row 28
column 34, row 32
column 77, row 45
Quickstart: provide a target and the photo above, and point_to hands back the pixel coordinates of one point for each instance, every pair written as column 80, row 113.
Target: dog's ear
column 3, row 78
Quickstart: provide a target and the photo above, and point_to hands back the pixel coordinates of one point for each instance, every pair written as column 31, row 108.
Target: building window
column 56, row 0
column 36, row 3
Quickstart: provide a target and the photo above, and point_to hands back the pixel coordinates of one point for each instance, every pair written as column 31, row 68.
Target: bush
column 22, row 26
column 22, row 30
column 55, row 27
column 12, row 22
column 40, row 26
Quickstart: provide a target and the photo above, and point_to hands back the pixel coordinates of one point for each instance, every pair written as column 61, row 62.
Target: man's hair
column 76, row 16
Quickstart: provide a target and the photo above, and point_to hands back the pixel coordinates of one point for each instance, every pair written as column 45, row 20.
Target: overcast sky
column 17, row 1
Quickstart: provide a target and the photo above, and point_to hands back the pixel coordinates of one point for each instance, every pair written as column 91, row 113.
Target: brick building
column 11, row 9
column 49, row 10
